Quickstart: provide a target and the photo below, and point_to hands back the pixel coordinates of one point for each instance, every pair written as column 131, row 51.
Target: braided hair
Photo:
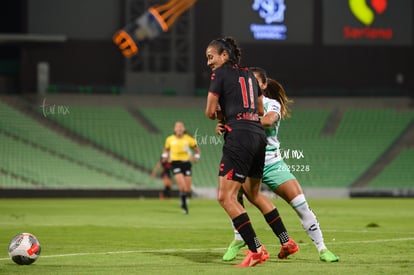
column 229, row 45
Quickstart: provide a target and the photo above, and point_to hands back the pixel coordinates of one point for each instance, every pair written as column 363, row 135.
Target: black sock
column 183, row 196
column 167, row 192
column 275, row 222
column 243, row 225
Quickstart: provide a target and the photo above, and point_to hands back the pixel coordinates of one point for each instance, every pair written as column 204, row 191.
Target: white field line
column 203, row 249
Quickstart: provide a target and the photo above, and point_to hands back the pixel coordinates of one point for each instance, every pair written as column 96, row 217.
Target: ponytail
column 276, row 91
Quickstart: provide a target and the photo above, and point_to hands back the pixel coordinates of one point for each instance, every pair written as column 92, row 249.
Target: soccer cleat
column 233, row 249
column 185, row 209
column 327, row 256
column 288, row 249
column 265, row 254
column 252, row 259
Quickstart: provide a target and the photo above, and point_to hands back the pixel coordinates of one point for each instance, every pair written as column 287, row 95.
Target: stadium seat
column 46, row 153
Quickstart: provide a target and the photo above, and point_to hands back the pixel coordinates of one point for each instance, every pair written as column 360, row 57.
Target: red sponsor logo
column 367, row 13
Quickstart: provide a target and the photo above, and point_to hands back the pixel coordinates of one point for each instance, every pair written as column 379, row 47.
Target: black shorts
column 243, row 155
column 166, row 173
column 183, row 167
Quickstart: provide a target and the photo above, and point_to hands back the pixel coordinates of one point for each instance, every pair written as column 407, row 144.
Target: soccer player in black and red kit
column 235, row 98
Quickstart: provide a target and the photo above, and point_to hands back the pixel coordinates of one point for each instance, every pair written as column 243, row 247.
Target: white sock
column 308, row 220
column 237, row 235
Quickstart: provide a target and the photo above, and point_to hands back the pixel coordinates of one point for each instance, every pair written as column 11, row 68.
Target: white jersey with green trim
column 273, row 144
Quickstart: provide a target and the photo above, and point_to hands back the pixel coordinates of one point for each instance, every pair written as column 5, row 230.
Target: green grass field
column 148, row 236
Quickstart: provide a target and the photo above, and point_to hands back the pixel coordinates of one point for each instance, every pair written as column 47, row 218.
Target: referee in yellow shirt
column 179, row 149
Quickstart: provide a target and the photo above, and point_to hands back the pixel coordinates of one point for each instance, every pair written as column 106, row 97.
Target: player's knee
column 221, row 199
column 224, row 200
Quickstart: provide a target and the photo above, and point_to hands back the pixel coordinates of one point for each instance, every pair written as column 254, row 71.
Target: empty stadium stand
column 36, row 156
column 113, row 142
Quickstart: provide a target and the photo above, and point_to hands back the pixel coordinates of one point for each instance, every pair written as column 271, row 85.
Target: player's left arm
column 197, row 153
column 196, row 150
column 166, row 151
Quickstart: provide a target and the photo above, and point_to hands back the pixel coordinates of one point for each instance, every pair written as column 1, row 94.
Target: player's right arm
column 220, row 128
column 269, row 119
column 272, row 114
column 260, row 107
column 213, row 108
column 166, row 151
